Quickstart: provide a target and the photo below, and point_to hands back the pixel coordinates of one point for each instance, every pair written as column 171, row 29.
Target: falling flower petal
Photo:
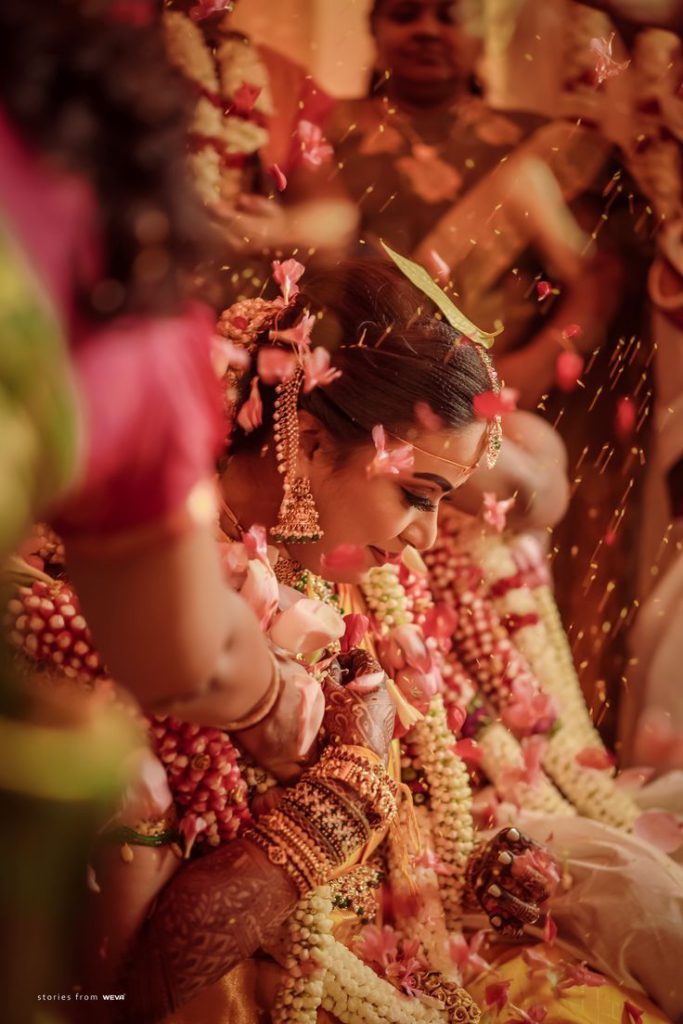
column 549, row 930
column 256, row 544
column 537, row 861
column 286, row 273
column 455, row 716
column 605, row 65
column 490, row 404
column 568, row 369
column 275, row 365
column 389, row 462
column 662, row 829
column 543, row 290
column 189, row 827
column 428, row 859
column 534, row 959
column 245, row 97
column 495, row 512
column 250, row 415
column 315, row 150
column 279, row 176
column 413, row 560
column 572, row 331
column 206, row 8
column 579, row 974
column 356, row 626
column 442, row 271
column 348, row 558
column 299, row 336
column 469, row 751
column 377, row 945
column 318, row 372
column 595, row 757
column 625, row 419
column 427, row 418
column 631, row 1014
column 497, row 995
column 225, row 354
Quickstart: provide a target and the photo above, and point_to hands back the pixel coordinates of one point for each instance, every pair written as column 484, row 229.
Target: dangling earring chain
column 298, row 518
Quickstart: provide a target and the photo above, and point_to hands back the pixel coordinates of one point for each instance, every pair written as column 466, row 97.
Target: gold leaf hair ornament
column 420, row 279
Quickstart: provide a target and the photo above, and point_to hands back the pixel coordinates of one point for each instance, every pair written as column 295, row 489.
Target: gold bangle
column 264, row 706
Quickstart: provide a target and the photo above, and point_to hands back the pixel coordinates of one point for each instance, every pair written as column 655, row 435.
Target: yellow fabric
column 579, row 1005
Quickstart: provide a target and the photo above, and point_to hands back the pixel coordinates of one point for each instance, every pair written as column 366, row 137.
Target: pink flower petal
column 315, row 151
column 625, row 420
column 631, row 1014
column 469, row 751
column 595, row 757
column 207, row 8
column 317, row 370
column 427, row 418
column 568, row 369
column 572, row 331
column 455, row 716
column 662, row 829
column 605, row 65
column 543, row 290
column 356, row 626
column 245, row 97
column 549, row 930
column 490, row 404
column 280, row 177
column 286, row 273
column 345, row 558
column 225, row 354
column 250, row 415
column 442, row 271
column 389, row 462
column 495, row 512
column 299, row 336
column 275, row 365
column 497, row 995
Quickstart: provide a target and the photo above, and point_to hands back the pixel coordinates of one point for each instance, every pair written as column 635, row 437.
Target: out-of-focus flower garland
column 476, row 570
column 227, row 125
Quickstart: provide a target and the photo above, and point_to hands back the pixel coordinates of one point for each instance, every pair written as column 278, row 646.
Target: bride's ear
column 312, row 434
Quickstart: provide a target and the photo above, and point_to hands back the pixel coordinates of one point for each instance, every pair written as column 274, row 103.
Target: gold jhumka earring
column 298, row 520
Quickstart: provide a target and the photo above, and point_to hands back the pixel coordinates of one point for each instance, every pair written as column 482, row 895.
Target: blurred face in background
column 423, row 44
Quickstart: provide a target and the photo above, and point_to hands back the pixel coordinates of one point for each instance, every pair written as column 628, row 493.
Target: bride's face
column 381, row 513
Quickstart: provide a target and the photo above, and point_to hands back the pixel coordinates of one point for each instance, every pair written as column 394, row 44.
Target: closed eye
column 420, row 501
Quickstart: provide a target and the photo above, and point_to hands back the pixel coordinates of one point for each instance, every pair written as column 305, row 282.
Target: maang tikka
column 298, row 517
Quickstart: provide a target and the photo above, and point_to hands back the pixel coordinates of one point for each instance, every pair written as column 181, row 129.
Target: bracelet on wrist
column 264, row 705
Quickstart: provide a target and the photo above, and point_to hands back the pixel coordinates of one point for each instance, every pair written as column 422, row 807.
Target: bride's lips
column 380, row 556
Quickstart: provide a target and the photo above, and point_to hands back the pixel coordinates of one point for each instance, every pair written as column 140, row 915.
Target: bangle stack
column 327, row 816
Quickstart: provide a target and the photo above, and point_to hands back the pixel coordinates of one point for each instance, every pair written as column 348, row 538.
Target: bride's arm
column 217, row 911
column 222, row 907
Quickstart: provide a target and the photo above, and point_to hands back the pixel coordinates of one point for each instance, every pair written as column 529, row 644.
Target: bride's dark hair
column 393, row 351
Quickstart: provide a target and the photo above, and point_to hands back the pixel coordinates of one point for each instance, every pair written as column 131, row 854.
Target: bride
column 353, row 418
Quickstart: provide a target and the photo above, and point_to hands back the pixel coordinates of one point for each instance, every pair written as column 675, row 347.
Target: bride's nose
column 421, row 534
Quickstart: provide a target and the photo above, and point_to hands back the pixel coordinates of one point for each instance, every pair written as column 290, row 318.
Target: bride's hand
column 359, row 711
column 284, row 742
column 511, row 876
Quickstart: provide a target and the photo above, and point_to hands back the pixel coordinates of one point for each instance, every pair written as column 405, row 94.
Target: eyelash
column 418, row 501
